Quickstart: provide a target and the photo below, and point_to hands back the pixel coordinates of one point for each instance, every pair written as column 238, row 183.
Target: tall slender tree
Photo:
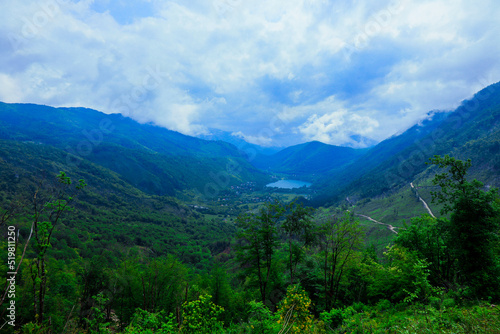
column 299, row 230
column 340, row 238
column 257, row 243
column 474, row 224
column 48, row 209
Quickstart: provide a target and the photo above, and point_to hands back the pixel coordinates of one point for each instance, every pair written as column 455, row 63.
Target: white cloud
column 10, row 90
column 338, row 127
column 238, row 64
column 258, row 140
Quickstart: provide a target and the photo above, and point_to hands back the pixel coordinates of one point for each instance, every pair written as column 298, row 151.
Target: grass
column 395, row 209
column 479, row 318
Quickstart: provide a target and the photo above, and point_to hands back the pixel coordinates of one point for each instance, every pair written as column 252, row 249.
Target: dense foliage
column 172, row 234
column 288, row 269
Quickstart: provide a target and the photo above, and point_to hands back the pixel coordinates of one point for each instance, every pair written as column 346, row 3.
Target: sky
column 275, row 73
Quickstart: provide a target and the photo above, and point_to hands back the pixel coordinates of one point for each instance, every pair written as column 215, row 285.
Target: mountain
column 396, row 161
column 160, row 162
column 110, row 214
column 63, row 127
column 308, row 159
column 153, row 159
column 140, row 179
column 381, row 152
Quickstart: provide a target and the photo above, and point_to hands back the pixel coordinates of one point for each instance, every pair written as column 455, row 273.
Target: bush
column 261, row 320
column 384, row 305
column 332, row 319
column 201, row 316
column 293, row 310
column 144, row 322
column 359, row 307
column 448, row 303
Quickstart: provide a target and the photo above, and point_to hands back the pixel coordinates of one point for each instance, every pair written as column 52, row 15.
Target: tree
column 202, row 316
column 474, row 224
column 47, row 212
column 146, row 322
column 430, row 239
column 299, row 230
column 220, row 289
column 257, row 243
column 161, row 282
column 340, row 237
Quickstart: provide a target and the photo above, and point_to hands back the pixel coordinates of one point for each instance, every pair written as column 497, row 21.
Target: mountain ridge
column 154, row 159
column 162, row 162
column 307, row 159
column 399, row 159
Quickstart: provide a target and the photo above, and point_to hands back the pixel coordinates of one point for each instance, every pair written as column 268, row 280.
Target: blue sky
column 276, row 73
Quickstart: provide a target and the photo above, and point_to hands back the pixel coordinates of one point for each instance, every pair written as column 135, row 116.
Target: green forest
column 243, row 167
column 282, row 268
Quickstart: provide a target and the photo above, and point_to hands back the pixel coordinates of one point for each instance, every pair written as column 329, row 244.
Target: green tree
column 474, row 224
column 48, row 209
column 261, row 320
column 202, row 316
column 97, row 318
column 257, row 243
column 340, row 238
column 294, row 311
column 94, row 280
column 299, row 230
column 430, row 239
column 220, row 289
column 404, row 277
column 144, row 322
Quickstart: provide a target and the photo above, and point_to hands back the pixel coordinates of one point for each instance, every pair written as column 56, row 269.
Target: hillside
column 472, row 128
column 139, row 245
column 110, row 213
column 308, row 159
column 153, row 159
column 143, row 181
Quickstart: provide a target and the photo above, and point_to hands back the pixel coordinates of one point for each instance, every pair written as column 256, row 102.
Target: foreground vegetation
column 288, row 269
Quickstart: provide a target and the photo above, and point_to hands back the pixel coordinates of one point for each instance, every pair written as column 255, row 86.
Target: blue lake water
column 288, row 184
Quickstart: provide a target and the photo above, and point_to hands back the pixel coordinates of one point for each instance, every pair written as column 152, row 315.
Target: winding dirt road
column 420, row 198
column 389, row 227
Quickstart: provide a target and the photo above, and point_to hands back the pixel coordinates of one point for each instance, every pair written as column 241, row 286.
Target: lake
column 288, row 184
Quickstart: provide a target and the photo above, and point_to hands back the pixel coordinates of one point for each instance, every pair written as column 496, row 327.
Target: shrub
column 448, row 303
column 332, row 319
column 293, row 310
column 384, row 305
column 261, row 320
column 201, row 316
column 144, row 322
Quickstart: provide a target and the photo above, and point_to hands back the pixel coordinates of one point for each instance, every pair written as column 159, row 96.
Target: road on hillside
column 421, row 199
column 389, row 227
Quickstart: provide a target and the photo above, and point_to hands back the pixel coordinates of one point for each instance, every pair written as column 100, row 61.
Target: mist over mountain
column 151, row 158
column 154, row 194
column 257, row 167
column 397, row 160
column 160, row 161
column 237, row 140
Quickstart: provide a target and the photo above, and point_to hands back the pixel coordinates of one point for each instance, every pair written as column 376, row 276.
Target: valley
column 165, row 220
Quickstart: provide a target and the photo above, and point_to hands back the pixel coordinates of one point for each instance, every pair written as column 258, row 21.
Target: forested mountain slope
column 153, row 159
column 395, row 162
column 308, row 159
column 110, row 213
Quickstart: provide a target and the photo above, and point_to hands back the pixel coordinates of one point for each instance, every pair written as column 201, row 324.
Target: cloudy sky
column 274, row 72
